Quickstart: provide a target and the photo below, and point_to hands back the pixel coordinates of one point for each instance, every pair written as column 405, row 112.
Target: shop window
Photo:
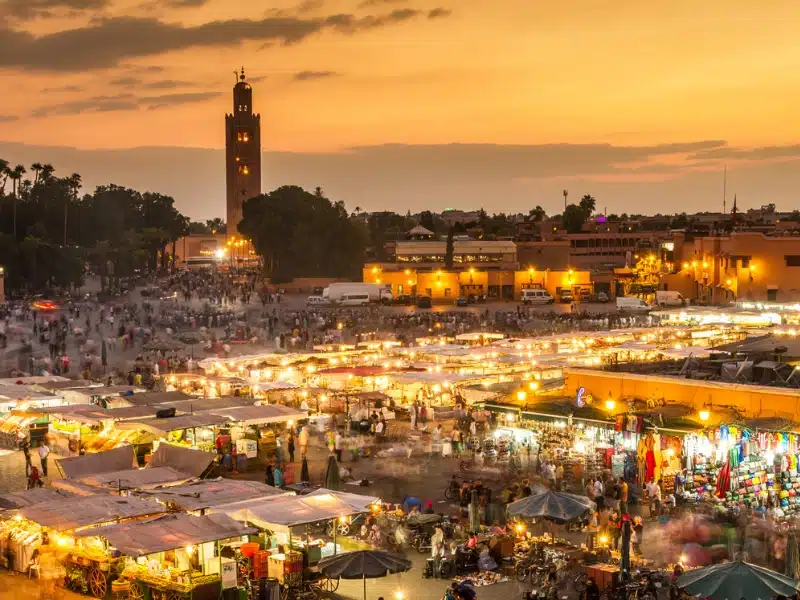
column 447, row 292
column 244, row 170
column 428, row 292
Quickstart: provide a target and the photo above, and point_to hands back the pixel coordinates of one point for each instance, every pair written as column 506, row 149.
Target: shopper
column 44, row 452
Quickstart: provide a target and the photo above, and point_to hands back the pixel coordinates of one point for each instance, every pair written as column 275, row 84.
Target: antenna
column 724, row 191
column 236, row 75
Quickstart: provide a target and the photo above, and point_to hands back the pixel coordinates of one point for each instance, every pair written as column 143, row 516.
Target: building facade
column 242, row 153
column 738, row 266
column 480, row 268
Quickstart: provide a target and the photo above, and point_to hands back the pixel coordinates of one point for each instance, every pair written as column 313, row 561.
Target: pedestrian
column 26, row 450
column 304, row 434
column 269, row 476
column 290, row 446
column 338, row 444
column 654, row 497
column 44, row 452
column 623, row 496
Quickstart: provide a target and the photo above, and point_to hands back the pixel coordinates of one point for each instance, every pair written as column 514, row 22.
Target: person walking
column 304, row 441
column 290, row 446
column 44, row 452
column 338, row 445
column 623, row 496
column 26, row 451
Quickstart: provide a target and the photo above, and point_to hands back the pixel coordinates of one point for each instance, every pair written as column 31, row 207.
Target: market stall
column 173, row 557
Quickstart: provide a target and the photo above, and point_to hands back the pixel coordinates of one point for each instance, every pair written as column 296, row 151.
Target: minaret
column 242, row 152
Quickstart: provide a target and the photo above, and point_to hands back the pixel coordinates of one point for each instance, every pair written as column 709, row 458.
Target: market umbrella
column 738, row 579
column 191, row 339
column 104, row 355
column 304, row 476
column 332, row 477
column 553, row 506
column 364, row 564
column 792, row 556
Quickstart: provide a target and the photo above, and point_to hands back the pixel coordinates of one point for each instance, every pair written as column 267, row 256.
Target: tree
column 426, row 219
column 449, row 248
column 36, row 168
column 74, row 183
column 537, row 214
column 573, row 219
column 587, row 205
column 216, row 225
column 300, row 234
column 16, row 175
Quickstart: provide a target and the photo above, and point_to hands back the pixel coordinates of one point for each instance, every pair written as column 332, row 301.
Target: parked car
column 601, row 297
column 585, row 295
column 404, row 300
column 462, row 301
column 315, row 300
column 565, row 296
column 424, row 302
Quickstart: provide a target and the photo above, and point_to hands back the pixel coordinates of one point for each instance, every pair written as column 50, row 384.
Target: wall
column 544, row 255
column 755, row 401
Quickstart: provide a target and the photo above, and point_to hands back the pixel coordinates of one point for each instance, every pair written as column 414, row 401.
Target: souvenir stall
column 625, row 461
column 208, row 386
column 196, row 431
column 173, row 557
column 19, row 424
column 731, row 465
column 70, row 428
column 659, row 456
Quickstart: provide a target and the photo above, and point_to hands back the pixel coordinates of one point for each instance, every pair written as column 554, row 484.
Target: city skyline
column 393, row 104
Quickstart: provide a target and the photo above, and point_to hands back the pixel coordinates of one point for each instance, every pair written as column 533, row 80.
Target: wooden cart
column 90, row 573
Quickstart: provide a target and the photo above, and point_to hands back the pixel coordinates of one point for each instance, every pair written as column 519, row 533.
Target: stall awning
column 213, row 492
column 134, row 479
column 132, row 412
column 267, row 413
column 284, row 512
column 117, row 459
column 73, row 513
column 198, row 405
column 357, row 501
column 168, row 533
column 155, row 398
column 186, row 460
column 30, row 497
column 161, row 427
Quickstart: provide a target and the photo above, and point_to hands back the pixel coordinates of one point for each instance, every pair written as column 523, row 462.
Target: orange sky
column 574, row 83
column 506, row 72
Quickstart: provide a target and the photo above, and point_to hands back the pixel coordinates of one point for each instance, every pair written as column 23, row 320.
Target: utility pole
column 566, row 193
column 725, row 192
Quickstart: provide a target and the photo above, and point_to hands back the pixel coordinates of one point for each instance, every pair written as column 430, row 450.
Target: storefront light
column 521, row 395
column 610, row 404
column 705, row 415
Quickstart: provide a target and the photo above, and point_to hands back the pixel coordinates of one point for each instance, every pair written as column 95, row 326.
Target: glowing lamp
column 521, row 395
column 610, row 404
column 705, row 415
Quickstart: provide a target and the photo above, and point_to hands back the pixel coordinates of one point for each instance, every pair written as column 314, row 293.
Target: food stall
column 172, row 557
column 191, row 431
column 57, row 523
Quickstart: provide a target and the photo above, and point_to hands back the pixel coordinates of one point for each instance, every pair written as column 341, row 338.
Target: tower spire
column 242, row 77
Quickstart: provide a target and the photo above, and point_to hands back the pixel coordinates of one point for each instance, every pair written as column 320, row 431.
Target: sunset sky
column 398, row 104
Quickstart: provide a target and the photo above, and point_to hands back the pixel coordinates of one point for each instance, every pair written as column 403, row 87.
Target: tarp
column 31, row 497
column 161, row 427
column 168, row 533
column 74, row 513
column 212, row 492
column 186, row 460
column 200, row 405
column 132, row 412
column 135, row 479
column 154, row 398
column 117, row 459
column 267, row 413
column 284, row 512
column 357, row 501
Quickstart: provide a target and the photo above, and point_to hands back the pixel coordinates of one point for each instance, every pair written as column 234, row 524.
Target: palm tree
column 47, row 173
column 537, row 214
column 587, row 204
column 36, row 168
column 74, row 183
column 16, row 175
column 5, row 172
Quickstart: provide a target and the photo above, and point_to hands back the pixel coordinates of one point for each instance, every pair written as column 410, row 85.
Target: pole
column 725, row 191
column 364, row 579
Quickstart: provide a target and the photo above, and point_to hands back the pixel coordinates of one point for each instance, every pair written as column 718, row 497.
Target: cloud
column 184, row 3
column 167, row 100
column 125, row 81
column 309, row 6
column 371, row 3
column 144, row 68
column 257, row 78
column 438, row 13
column 121, row 102
column 107, row 42
column 65, row 88
column 406, row 177
column 32, row 9
column 166, row 84
column 311, row 75
column 8, row 118
column 763, row 153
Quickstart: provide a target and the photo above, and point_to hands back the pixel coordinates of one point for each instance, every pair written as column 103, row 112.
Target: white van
column 536, row 297
column 669, row 298
column 354, row 300
column 632, row 304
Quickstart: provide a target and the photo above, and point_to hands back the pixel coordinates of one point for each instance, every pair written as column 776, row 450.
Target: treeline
column 50, row 232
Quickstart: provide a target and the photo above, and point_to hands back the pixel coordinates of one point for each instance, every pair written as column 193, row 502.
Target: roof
column 196, row 405
column 117, row 459
column 265, row 413
column 765, row 343
column 74, row 513
column 20, row 392
column 213, row 492
column 107, row 390
column 70, row 384
column 285, row 512
column 31, row 497
column 168, row 533
column 133, row 412
column 161, row 427
column 151, row 398
column 186, row 460
column 420, row 230
column 135, row 478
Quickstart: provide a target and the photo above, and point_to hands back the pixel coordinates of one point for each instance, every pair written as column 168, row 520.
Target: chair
column 35, row 567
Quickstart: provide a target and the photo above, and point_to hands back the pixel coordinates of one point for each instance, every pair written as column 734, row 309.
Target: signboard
column 579, row 397
column 248, row 448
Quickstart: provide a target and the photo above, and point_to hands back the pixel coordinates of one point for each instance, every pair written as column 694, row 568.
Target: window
column 792, row 260
column 244, row 170
column 447, row 292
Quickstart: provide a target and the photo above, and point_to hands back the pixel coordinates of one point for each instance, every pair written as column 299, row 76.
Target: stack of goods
column 483, row 578
column 752, row 482
column 700, row 485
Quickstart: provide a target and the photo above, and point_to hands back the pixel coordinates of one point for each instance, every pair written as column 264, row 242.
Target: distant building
column 242, row 153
